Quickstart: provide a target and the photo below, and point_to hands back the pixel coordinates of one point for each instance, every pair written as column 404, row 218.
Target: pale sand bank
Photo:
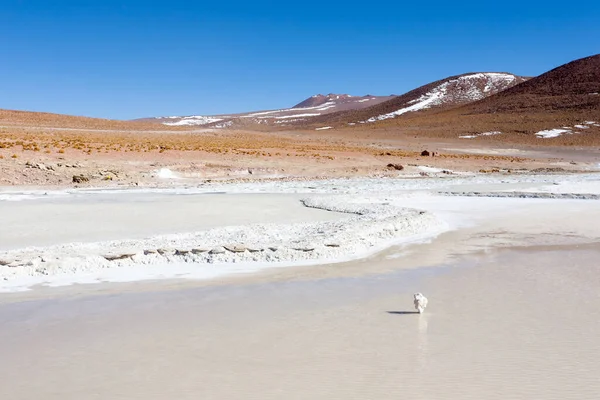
column 516, row 324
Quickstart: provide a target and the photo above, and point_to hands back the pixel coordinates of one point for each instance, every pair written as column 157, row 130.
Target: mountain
column 562, row 104
column 314, row 106
column 442, row 94
column 319, row 99
column 342, row 101
column 572, row 86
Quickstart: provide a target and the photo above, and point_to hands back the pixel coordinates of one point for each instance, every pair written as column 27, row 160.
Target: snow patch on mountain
column 466, row 88
column 493, row 133
column 552, row 133
column 193, row 120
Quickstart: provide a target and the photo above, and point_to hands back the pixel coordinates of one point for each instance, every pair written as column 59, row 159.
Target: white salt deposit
column 32, row 194
column 166, row 173
column 377, row 216
column 425, row 168
column 371, row 225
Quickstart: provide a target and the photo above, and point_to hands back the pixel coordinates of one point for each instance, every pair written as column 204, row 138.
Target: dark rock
column 80, row 179
column 397, row 167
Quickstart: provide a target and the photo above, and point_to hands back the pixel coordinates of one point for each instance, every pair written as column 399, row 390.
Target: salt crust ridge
column 371, row 224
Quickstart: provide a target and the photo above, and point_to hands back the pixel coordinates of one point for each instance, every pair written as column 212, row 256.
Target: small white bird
column 420, row 302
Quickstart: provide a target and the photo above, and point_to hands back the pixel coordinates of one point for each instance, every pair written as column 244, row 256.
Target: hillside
column 442, row 94
column 559, row 107
column 16, row 118
column 562, row 104
column 302, row 112
column 572, row 86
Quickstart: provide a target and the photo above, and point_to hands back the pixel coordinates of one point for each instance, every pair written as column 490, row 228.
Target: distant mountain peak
column 320, row 99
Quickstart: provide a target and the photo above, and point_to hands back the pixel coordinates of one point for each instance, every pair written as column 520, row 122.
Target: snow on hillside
column 493, row 133
column 193, row 120
column 312, row 107
column 271, row 114
column 552, row 133
column 460, row 90
column 565, row 130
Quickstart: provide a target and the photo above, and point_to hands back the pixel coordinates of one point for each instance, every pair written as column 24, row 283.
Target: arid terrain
column 478, row 122
column 561, row 106
column 140, row 243
column 34, row 156
column 282, row 201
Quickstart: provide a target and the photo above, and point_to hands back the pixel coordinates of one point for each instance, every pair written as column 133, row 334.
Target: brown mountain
column 559, row 107
column 342, row 101
column 572, row 86
column 320, row 99
column 442, row 94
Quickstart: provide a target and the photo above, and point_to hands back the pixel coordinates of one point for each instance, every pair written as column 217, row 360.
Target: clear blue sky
column 129, row 59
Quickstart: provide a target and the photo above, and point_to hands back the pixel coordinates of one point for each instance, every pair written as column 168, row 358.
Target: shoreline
column 364, row 231
column 471, row 223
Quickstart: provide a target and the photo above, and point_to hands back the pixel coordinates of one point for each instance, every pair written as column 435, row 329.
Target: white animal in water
column 420, row 302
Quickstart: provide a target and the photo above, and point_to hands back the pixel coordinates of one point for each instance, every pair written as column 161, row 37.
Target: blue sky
column 129, row 59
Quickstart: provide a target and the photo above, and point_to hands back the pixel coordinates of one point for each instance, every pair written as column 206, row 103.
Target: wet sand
column 517, row 323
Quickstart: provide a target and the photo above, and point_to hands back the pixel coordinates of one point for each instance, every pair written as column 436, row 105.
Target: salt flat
column 109, row 215
column 512, row 324
column 512, row 282
column 88, row 236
